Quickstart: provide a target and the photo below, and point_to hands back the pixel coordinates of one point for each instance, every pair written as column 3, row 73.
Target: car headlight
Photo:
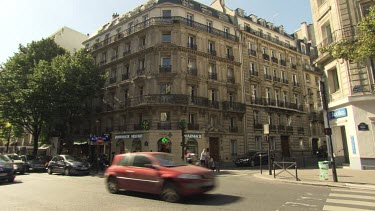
column 247, row 159
column 15, row 166
column 189, row 176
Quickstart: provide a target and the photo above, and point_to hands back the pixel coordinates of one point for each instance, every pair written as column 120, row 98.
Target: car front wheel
column 252, row 163
column 67, row 172
column 112, row 185
column 169, row 193
column 49, row 171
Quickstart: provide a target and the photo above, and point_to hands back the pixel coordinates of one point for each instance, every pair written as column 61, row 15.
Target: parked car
column 252, row 159
column 19, row 165
column 68, row 165
column 6, row 169
column 157, row 173
column 37, row 165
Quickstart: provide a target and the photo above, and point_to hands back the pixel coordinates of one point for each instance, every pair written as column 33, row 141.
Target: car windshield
column 168, row 160
column 71, row 158
column 4, row 159
column 14, row 157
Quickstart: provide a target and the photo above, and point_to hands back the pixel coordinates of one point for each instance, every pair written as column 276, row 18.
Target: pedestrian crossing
column 348, row 199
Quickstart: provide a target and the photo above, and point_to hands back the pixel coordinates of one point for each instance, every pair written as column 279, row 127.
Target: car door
column 53, row 164
column 122, row 172
column 60, row 164
column 145, row 177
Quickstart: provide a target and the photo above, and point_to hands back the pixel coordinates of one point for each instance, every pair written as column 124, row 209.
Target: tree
column 42, row 87
column 359, row 48
column 25, row 89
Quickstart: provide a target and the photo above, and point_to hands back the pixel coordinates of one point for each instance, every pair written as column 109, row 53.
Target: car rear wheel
column 11, row 179
column 67, row 172
column 169, row 193
column 112, row 185
column 49, row 171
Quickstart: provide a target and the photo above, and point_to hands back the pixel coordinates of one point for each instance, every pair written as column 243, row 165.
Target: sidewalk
column 358, row 179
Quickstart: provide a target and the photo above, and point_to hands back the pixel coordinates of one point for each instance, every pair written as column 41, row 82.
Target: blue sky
column 23, row 21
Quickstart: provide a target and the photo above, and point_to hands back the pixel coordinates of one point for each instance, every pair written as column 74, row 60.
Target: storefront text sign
column 338, row 113
column 193, row 135
column 128, row 136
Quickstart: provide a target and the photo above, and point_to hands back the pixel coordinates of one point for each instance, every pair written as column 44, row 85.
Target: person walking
column 203, row 158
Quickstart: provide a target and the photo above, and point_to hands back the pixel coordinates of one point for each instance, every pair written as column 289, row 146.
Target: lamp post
column 97, row 150
column 266, row 131
column 183, row 128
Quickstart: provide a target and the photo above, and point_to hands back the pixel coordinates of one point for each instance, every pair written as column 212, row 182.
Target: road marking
column 352, row 196
column 351, row 202
column 353, row 191
column 340, row 208
column 301, row 204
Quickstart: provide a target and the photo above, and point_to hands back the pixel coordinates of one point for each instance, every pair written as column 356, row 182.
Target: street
column 235, row 191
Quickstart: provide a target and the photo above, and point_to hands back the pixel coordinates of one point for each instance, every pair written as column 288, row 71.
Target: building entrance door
column 314, row 145
column 214, row 149
column 285, row 146
column 345, row 144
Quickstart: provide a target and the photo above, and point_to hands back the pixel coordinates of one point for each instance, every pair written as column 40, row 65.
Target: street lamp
column 183, row 128
column 266, row 131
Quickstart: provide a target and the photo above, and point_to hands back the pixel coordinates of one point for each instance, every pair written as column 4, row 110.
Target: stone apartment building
column 349, row 86
column 222, row 72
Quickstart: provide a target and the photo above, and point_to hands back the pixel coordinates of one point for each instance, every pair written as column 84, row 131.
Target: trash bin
column 323, row 169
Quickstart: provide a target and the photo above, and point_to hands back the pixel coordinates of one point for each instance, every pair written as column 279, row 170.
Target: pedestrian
column 211, row 164
column 203, row 158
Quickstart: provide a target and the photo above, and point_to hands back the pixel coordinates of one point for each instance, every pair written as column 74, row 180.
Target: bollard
column 274, row 175
column 296, row 172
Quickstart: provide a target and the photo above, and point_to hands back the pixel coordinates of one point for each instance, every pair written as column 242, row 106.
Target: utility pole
column 183, row 127
column 266, row 131
column 327, row 129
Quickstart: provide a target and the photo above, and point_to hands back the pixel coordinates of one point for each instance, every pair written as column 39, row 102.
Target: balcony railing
column 233, row 129
column 212, row 76
column 284, row 80
column 234, row 106
column 252, row 52
column 140, row 71
column 230, row 57
column 296, row 84
column 192, row 126
column 256, row 100
column 277, row 79
column 162, row 21
column 192, row 46
column 294, row 66
column 258, row 126
column 289, row 129
column 231, row 79
column 274, row 60
column 268, row 77
column 165, row 68
column 192, row 71
column 282, row 62
column 125, row 77
column 199, row 101
column 301, row 130
column 281, row 128
column 211, row 52
column 266, row 57
column 273, row 102
column 213, row 104
column 164, row 126
column 273, row 128
column 254, row 73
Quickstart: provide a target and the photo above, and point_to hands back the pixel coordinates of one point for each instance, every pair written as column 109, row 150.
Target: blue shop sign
column 338, row 113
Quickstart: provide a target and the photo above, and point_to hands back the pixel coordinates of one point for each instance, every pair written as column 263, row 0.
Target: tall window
column 233, row 144
column 166, row 61
column 166, row 89
column 165, row 117
column 254, row 93
column 209, row 26
column 212, row 95
column 211, row 46
column 252, row 67
column 231, row 98
column 307, row 78
column 277, row 97
column 333, row 81
column 166, row 37
column 190, row 19
column 256, row 117
column 192, row 118
column 285, row 96
column 258, row 143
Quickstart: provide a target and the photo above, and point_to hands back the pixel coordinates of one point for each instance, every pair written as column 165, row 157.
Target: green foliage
column 43, row 86
column 361, row 47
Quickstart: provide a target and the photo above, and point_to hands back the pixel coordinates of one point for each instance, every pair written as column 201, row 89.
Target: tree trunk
column 36, row 141
column 8, row 143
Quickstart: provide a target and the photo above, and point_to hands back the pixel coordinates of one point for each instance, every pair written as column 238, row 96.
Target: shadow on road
column 201, row 199
column 4, row 183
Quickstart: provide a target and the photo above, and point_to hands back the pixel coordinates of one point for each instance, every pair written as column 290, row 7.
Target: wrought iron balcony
column 274, row 60
column 266, row 57
column 301, row 130
column 258, row 126
column 289, row 129
column 165, row 68
column 282, row 62
column 212, row 76
column 284, row 80
column 234, row 106
column 268, row 77
column 231, row 79
column 273, row 127
column 212, row 52
column 199, row 101
column 193, row 71
column 125, row 77
column 256, row 100
column 233, row 129
column 230, row 57
column 164, row 126
column 192, row 126
column 140, row 71
column 213, row 104
column 296, row 84
column 277, row 79
column 252, row 52
column 294, row 66
column 281, row 128
column 192, row 46
column 160, row 99
column 254, row 73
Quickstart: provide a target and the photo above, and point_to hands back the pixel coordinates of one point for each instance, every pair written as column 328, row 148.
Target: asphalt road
column 238, row 190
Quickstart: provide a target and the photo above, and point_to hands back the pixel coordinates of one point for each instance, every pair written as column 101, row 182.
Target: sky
column 23, row 21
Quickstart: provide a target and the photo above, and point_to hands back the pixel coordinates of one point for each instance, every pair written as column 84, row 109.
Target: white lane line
column 351, row 202
column 352, row 196
column 340, row 208
column 352, row 191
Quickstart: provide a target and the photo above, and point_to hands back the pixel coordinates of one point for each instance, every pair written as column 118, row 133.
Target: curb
column 326, row 184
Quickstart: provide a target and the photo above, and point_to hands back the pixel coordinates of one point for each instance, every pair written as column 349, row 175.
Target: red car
column 157, row 173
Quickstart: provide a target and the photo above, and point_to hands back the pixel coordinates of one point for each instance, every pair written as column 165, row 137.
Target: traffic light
column 327, row 131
